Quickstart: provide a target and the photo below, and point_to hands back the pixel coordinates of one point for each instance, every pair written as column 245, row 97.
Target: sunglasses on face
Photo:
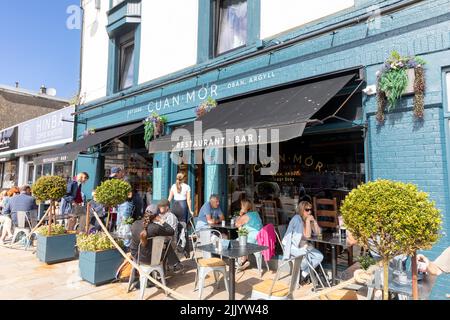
column 308, row 210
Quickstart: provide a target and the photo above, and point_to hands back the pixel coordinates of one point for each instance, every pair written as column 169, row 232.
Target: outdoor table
column 333, row 242
column 228, row 227
column 403, row 290
column 235, row 251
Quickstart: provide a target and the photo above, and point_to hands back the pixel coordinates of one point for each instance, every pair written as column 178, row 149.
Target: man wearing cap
column 172, row 220
column 117, row 173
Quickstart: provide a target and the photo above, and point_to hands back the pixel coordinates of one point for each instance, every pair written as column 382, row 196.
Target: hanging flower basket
column 400, row 76
column 154, row 127
column 88, row 132
column 205, row 107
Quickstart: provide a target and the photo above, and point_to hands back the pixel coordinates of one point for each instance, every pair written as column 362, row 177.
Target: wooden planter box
column 99, row 267
column 56, row 249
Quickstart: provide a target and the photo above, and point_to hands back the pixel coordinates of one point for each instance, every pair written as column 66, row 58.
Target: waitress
column 180, row 192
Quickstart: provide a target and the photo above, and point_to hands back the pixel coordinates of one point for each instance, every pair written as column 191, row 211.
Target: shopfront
column 8, row 160
column 41, row 135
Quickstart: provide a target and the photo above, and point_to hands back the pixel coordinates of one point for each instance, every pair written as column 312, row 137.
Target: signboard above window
column 8, row 139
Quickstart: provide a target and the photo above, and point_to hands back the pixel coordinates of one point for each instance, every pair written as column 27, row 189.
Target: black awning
column 288, row 110
column 70, row 151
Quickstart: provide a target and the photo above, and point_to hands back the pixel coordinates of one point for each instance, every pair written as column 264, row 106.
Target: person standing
column 180, row 192
column 72, row 203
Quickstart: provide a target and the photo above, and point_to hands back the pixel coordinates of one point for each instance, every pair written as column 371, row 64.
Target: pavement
column 24, row 277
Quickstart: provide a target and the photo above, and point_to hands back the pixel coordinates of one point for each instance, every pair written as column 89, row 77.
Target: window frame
column 215, row 14
column 124, row 42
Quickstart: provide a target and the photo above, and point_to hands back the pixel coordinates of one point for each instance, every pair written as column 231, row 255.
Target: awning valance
column 70, row 151
column 247, row 120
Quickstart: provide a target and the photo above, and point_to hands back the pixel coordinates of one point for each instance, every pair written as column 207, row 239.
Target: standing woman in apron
column 180, row 192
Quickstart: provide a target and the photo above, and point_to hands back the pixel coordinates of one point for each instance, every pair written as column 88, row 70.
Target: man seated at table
column 22, row 202
column 210, row 213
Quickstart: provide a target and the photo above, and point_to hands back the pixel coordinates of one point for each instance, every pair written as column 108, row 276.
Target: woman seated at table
column 152, row 225
column 252, row 222
column 295, row 243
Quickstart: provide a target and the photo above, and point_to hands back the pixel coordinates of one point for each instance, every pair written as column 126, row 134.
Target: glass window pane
column 9, row 174
column 64, row 170
column 127, row 66
column 232, row 25
column 30, row 174
column 47, row 170
column 448, row 90
column 38, row 171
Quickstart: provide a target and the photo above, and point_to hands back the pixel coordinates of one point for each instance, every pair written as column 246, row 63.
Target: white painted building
column 171, row 34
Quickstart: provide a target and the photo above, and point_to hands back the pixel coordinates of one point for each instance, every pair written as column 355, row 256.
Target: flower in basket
column 393, row 80
column 154, row 126
column 243, row 232
column 205, row 107
column 56, row 230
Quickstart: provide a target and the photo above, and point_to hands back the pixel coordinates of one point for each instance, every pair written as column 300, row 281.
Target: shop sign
column 47, row 128
column 195, row 97
column 8, row 139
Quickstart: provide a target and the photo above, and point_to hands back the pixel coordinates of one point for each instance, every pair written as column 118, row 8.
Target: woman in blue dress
column 251, row 220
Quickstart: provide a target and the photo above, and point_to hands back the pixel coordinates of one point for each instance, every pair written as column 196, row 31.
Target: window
column 230, row 25
column 447, row 80
column 115, row 3
column 126, row 62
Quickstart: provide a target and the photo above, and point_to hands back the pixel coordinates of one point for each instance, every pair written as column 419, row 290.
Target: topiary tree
column 50, row 188
column 391, row 218
column 111, row 193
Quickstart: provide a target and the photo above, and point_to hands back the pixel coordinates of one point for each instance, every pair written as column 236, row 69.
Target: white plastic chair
column 277, row 290
column 156, row 265
column 22, row 227
column 206, row 263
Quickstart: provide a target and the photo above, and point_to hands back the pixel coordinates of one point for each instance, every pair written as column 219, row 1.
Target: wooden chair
column 269, row 211
column 330, row 213
column 328, row 217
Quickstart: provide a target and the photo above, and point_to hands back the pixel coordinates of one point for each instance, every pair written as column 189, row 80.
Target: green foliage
column 242, row 232
column 128, row 221
column 112, row 192
column 57, row 230
column 149, row 125
column 95, row 242
column 366, row 261
column 394, row 83
column 49, row 188
column 394, row 217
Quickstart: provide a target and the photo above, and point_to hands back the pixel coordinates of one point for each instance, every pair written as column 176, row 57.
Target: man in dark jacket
column 73, row 203
column 22, row 202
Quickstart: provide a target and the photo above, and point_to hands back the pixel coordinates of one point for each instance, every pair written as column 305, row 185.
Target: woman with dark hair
column 152, row 225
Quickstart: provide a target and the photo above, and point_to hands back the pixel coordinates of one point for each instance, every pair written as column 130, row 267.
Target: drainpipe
column 75, row 123
column 313, row 34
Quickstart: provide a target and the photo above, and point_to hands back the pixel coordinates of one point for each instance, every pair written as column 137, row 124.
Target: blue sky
column 36, row 47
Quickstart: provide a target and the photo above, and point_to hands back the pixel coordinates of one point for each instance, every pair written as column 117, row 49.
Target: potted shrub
column 243, row 233
column 391, row 218
column 400, row 76
column 154, row 127
column 54, row 243
column 205, row 107
column 99, row 259
column 111, row 193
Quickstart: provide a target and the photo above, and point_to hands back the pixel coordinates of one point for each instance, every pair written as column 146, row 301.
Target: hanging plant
column 88, row 132
column 154, row 127
column 205, row 107
column 393, row 81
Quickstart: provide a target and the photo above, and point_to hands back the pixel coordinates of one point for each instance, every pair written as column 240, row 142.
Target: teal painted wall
column 399, row 150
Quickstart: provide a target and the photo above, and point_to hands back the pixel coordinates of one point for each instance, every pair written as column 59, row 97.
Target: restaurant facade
column 314, row 84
